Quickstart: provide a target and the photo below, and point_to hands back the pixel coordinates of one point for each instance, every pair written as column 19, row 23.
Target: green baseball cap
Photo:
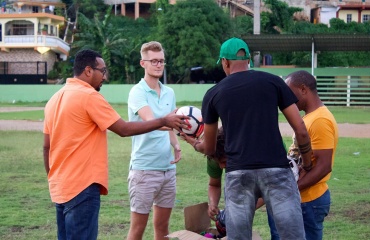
column 231, row 47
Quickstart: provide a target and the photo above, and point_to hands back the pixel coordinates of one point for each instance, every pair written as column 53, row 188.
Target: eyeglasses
column 102, row 70
column 155, row 62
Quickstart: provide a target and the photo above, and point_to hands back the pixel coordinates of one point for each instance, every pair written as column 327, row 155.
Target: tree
column 279, row 18
column 191, row 33
column 241, row 26
column 104, row 37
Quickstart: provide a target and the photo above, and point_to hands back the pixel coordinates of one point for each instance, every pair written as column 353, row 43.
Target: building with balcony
column 29, row 37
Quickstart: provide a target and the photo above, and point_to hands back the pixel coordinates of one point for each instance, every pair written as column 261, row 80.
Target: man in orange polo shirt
column 75, row 145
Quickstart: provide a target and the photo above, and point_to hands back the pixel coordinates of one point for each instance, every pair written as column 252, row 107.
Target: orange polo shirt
column 76, row 118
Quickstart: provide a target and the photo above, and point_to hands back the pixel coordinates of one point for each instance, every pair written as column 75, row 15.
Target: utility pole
column 115, row 7
column 256, row 29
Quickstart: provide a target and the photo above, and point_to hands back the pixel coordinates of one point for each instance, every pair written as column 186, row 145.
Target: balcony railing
column 36, row 1
column 36, row 41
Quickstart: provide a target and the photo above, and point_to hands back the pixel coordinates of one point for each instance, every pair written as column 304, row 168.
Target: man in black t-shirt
column 247, row 102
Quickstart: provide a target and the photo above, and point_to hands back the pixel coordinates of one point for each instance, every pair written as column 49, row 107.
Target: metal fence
column 347, row 90
column 23, row 72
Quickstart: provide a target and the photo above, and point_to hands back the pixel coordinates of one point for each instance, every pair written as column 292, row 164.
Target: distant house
column 133, row 8
column 29, row 40
column 354, row 11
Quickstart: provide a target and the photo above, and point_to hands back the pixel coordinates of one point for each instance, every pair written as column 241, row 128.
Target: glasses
column 102, row 70
column 155, row 62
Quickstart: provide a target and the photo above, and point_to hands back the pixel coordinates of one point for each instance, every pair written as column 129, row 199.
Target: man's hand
column 172, row 120
column 177, row 153
column 213, row 211
column 188, row 139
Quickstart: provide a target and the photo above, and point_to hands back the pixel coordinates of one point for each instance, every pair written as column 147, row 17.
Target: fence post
column 348, row 91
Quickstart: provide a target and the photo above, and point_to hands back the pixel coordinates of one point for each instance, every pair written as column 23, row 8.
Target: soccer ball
column 196, row 121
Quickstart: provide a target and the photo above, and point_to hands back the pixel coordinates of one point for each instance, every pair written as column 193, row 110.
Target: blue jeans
column 78, row 218
column 314, row 213
column 279, row 190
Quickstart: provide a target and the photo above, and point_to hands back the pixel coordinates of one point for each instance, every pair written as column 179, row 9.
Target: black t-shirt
column 247, row 103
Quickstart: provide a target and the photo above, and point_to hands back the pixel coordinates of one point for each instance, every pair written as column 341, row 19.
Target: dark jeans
column 273, row 231
column 78, row 218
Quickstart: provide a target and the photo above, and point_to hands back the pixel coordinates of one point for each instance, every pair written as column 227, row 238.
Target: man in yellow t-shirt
column 323, row 131
column 75, row 145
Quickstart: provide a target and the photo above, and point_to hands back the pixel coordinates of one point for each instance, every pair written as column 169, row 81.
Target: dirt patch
column 19, row 109
column 354, row 215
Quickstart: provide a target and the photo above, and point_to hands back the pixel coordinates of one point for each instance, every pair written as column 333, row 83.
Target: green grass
column 27, row 212
column 358, row 115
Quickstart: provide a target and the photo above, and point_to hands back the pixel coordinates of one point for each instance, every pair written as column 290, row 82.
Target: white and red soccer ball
column 196, row 121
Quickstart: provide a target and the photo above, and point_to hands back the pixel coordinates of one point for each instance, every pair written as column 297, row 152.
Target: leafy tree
column 279, row 18
column 87, row 7
column 119, row 39
column 241, row 26
column 106, row 38
column 192, row 32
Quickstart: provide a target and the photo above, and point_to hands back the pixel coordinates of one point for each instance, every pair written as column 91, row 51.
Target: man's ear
column 142, row 63
column 88, row 71
column 303, row 88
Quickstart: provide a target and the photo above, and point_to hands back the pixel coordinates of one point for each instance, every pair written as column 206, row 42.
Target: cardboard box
column 197, row 221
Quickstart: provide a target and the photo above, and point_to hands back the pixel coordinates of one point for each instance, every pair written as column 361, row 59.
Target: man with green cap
column 247, row 102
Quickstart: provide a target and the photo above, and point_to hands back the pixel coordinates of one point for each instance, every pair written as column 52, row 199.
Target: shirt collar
column 148, row 89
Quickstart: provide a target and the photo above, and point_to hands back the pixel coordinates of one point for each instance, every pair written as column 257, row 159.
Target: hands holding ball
column 195, row 121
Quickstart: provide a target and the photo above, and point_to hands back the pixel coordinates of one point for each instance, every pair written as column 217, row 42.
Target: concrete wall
column 115, row 93
column 343, row 15
column 27, row 55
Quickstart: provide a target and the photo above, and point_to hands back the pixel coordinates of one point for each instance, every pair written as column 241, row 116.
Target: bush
column 53, row 74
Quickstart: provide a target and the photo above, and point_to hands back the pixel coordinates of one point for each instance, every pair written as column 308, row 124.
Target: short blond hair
column 151, row 46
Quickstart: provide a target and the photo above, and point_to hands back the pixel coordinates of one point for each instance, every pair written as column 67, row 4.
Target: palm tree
column 104, row 37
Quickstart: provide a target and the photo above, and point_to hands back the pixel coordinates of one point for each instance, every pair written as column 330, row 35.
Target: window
column 365, row 18
column 349, row 18
column 20, row 28
column 35, row 9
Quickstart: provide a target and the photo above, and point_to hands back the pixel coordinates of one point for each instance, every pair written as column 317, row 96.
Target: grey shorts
column 151, row 187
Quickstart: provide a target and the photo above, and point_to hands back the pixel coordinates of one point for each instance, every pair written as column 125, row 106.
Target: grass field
column 360, row 115
column 27, row 212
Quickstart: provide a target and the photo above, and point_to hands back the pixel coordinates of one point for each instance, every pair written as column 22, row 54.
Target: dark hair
column 220, row 146
column 303, row 77
column 84, row 58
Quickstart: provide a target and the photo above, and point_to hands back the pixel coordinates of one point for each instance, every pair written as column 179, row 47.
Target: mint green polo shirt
column 151, row 151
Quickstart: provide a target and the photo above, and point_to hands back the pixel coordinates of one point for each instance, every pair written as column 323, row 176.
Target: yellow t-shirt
column 323, row 131
column 76, row 119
